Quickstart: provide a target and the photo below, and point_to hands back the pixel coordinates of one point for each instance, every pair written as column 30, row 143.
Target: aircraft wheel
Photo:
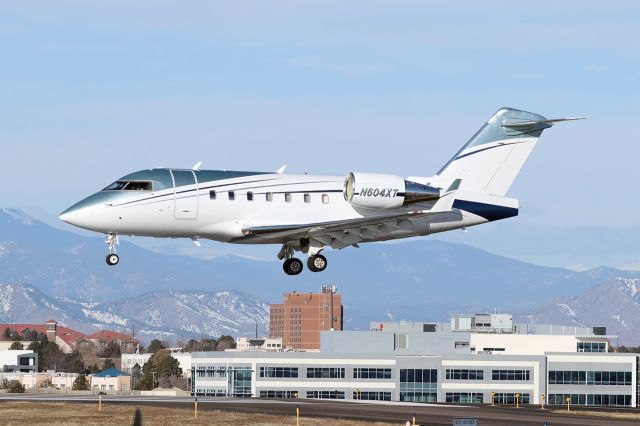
column 292, row 266
column 112, row 259
column 317, row 263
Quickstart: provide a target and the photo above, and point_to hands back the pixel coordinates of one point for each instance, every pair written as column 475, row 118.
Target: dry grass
column 54, row 413
column 606, row 414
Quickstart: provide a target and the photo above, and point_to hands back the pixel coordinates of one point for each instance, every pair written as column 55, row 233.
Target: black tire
column 292, row 266
column 112, row 259
column 317, row 263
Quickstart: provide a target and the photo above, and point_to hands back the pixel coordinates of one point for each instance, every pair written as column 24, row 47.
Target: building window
column 592, row 347
column 249, row 196
column 371, row 373
column 464, row 397
column 307, row 198
column 232, row 195
column 559, row 377
column 278, row 372
column 287, row 197
column 590, row 399
column 325, row 373
column 462, row 374
column 326, row 394
column 269, row 196
column 510, row 398
column 514, row 375
column 372, row 396
column 212, row 195
column 278, row 394
column 325, row 199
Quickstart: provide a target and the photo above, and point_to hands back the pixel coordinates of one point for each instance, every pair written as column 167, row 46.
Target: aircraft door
column 186, row 195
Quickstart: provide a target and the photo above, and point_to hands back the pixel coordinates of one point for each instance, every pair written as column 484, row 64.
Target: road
column 392, row 412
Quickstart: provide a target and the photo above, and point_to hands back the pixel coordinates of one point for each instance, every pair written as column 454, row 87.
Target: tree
column 73, row 363
column 5, row 383
column 16, row 346
column 161, row 365
column 6, row 334
column 155, row 346
column 16, row 387
column 29, row 334
column 135, row 375
column 225, row 342
column 110, row 350
column 195, row 345
column 49, row 355
column 81, row 383
column 108, row 363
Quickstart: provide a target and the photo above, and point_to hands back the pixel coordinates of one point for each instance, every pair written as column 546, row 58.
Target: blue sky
column 90, row 92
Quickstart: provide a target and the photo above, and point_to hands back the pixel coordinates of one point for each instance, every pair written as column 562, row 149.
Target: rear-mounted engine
column 378, row 191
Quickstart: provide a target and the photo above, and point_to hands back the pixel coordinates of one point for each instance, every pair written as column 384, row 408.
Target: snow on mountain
column 172, row 315
column 614, row 304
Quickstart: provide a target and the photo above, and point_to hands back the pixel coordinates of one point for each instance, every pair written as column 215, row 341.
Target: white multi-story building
column 472, row 359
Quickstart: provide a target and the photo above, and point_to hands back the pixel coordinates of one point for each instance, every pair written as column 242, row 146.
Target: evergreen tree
column 81, row 383
column 16, row 346
column 108, row 363
column 155, row 346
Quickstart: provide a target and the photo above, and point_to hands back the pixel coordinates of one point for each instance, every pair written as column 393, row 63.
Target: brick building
column 302, row 316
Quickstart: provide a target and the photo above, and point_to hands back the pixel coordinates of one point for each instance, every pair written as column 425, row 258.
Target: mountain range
column 419, row 279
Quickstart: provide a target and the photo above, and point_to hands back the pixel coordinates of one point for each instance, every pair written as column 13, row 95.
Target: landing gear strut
column 317, row 263
column 112, row 241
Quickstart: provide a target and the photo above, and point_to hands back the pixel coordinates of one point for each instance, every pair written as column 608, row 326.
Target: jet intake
column 378, row 191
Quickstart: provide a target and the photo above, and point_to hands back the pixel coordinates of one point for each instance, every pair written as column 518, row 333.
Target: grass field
column 49, row 413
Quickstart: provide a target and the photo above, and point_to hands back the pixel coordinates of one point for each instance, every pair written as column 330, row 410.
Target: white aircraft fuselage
column 308, row 213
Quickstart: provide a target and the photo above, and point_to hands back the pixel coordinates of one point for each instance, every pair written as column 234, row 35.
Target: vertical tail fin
column 493, row 157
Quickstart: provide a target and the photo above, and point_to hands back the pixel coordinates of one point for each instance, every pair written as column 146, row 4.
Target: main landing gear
column 293, row 266
column 112, row 241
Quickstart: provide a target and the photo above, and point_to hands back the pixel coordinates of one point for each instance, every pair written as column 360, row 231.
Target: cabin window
column 249, row 196
column 325, row 199
column 307, row 198
column 287, row 197
column 269, row 196
column 212, row 195
column 232, row 195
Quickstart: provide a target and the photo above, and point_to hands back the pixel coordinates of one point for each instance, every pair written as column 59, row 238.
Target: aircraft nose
column 68, row 215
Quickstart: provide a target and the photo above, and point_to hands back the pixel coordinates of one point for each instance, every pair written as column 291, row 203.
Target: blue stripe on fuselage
column 490, row 212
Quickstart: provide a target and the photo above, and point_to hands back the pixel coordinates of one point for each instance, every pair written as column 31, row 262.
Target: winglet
column 196, row 167
column 281, row 169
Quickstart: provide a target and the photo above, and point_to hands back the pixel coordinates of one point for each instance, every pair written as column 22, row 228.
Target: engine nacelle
column 378, row 191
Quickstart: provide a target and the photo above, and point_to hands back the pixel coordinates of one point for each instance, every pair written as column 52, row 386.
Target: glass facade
column 560, row 377
column 464, row 397
column 371, row 373
column 461, row 374
column 240, row 382
column 325, row 373
column 418, row 385
column 278, row 372
column 590, row 399
column 514, row 375
column 592, row 347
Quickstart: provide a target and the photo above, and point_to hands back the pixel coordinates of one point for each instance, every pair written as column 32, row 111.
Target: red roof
column 110, row 336
column 68, row 335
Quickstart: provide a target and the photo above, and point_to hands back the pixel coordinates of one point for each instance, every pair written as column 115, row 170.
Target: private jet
column 308, row 213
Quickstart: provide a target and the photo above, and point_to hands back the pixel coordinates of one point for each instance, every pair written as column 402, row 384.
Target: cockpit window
column 123, row 185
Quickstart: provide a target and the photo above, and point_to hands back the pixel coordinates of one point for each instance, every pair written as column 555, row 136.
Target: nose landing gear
column 112, row 241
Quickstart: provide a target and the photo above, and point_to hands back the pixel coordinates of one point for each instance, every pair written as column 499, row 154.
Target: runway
column 392, row 412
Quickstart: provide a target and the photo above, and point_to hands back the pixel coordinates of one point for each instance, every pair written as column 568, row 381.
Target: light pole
column 153, row 382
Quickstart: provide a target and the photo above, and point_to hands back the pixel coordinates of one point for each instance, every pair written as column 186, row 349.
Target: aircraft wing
column 343, row 233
